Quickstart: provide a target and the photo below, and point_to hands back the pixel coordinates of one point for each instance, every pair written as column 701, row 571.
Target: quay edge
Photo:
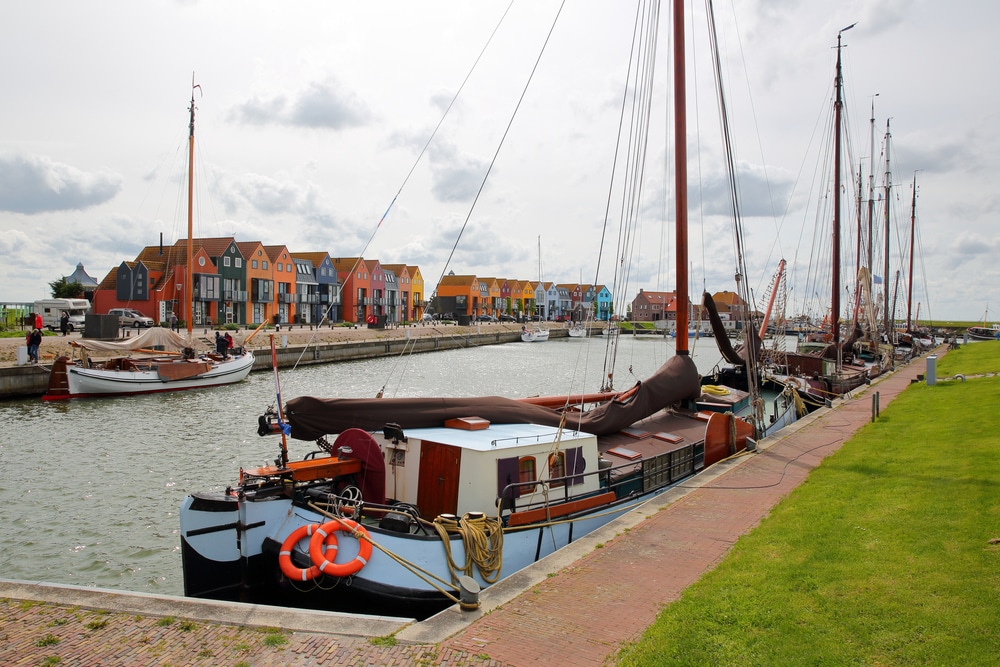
column 18, row 382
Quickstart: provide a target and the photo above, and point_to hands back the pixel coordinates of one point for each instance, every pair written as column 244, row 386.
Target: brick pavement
column 579, row 612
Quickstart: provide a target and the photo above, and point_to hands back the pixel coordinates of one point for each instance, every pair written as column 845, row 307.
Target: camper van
column 52, row 309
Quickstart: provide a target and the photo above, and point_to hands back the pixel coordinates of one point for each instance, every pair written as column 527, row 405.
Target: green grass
column 971, row 359
column 883, row 557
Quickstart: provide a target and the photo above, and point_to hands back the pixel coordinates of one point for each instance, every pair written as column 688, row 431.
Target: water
column 90, row 489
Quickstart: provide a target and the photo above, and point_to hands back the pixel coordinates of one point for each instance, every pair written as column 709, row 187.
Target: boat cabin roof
column 497, row 436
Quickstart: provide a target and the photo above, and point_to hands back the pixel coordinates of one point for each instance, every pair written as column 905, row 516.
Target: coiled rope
column 482, row 537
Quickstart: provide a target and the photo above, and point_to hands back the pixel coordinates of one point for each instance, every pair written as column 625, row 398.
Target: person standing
column 221, row 348
column 38, row 321
column 64, row 322
column 229, row 342
column 34, row 341
column 173, row 321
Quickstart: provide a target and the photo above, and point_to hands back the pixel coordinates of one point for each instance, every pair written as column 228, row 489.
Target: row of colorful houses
column 473, row 296
column 251, row 283
column 247, row 282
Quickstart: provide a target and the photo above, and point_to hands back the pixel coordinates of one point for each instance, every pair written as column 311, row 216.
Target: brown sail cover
column 311, row 418
column 732, row 356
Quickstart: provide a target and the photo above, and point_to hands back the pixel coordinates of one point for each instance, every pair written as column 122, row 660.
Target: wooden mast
column 189, row 273
column 889, row 315
column 835, row 282
column 680, row 178
column 913, row 224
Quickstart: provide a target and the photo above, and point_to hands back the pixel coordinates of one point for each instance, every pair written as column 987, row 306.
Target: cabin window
column 557, row 468
column 526, row 469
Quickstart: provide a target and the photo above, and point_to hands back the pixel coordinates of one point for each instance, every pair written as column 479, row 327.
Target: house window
column 288, row 267
column 263, row 265
column 253, row 263
column 225, row 260
column 239, row 262
column 278, row 266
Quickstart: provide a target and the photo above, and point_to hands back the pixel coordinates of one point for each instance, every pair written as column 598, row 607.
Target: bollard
column 468, row 593
column 931, row 370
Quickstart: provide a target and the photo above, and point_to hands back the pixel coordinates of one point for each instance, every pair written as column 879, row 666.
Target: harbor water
column 90, row 489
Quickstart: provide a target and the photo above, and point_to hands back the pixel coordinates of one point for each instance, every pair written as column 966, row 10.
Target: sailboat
column 168, row 362
column 826, row 368
column 536, row 333
column 411, row 505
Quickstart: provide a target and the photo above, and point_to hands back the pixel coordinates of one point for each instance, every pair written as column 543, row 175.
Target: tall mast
column 913, row 224
column 888, row 202
column 871, row 182
column 837, row 112
column 680, row 178
column 189, row 273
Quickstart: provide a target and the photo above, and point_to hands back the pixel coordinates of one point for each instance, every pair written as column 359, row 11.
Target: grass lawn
column 884, row 556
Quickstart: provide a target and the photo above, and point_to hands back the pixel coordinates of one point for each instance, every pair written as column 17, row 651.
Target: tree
column 61, row 289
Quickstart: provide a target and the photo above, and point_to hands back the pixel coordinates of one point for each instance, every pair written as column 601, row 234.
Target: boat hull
column 94, row 382
column 221, row 561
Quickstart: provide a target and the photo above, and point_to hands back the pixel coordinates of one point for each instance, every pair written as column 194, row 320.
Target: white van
column 52, row 309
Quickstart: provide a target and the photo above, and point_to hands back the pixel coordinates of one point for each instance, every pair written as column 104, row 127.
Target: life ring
column 327, row 566
column 285, row 555
column 371, row 319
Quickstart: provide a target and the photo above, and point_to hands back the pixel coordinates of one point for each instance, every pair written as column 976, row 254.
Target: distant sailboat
column 156, row 370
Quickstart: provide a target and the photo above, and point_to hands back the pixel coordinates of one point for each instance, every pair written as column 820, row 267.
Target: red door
column 437, row 490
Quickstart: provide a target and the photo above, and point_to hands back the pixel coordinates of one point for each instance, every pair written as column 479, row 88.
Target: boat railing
column 626, row 480
column 538, row 437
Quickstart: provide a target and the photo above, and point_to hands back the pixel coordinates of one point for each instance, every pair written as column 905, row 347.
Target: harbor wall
column 27, row 381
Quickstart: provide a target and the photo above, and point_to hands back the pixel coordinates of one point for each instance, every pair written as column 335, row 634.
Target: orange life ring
column 285, row 555
column 326, row 566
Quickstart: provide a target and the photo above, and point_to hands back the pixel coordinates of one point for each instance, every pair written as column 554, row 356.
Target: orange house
column 355, row 287
column 283, row 275
column 459, row 295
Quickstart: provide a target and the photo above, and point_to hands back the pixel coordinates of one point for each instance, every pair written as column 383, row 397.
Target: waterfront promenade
column 577, row 607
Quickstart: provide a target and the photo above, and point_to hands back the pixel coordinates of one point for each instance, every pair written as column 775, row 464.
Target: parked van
column 130, row 317
column 52, row 309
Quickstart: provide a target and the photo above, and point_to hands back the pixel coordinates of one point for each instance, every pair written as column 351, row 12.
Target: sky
column 486, row 132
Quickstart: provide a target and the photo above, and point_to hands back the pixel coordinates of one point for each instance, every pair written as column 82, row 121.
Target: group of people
column 223, row 344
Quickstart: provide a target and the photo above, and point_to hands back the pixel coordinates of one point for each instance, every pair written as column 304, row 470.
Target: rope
column 482, row 537
column 715, row 390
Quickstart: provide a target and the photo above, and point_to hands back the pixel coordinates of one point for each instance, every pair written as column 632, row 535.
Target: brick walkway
column 597, row 600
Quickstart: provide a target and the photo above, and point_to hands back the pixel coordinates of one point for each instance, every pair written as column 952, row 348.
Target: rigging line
column 413, row 168
column 610, row 342
column 510, row 122
column 636, row 142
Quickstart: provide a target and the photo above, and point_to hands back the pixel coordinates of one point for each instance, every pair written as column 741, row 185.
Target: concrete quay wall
column 27, row 381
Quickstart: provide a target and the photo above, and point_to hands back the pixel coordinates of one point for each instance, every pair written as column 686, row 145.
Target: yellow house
column 417, row 295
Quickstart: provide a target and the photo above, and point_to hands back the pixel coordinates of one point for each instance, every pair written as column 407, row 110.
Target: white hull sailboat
column 156, row 370
column 534, row 335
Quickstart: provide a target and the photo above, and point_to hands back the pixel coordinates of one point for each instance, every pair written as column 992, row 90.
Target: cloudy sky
column 312, row 117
